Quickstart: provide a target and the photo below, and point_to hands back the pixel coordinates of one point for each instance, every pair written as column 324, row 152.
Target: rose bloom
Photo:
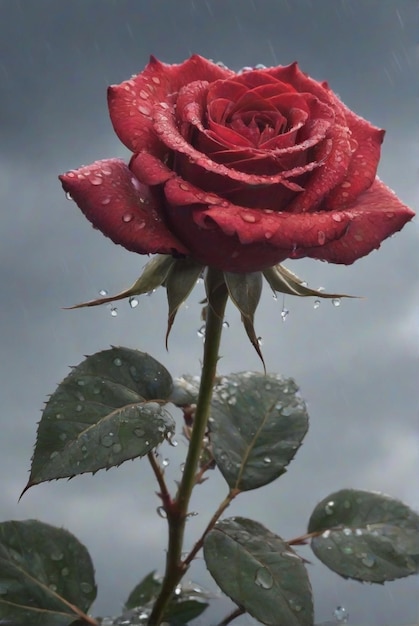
column 238, row 171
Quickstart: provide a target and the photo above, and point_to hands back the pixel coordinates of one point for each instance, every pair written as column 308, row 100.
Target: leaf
column 283, row 280
column 259, row 572
column 188, row 602
column 257, row 424
column 185, row 390
column 154, row 275
column 367, row 536
column 146, row 591
column 47, row 576
column 245, row 291
column 179, row 283
column 102, row 415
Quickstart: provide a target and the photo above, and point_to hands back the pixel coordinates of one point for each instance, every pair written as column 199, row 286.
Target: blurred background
column 357, row 364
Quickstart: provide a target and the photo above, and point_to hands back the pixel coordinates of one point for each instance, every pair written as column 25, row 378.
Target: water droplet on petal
column 68, row 195
column 316, row 304
column 248, row 217
column 264, row 578
column 144, row 110
column 321, row 237
column 96, row 180
column 336, row 302
column 127, row 217
column 133, row 302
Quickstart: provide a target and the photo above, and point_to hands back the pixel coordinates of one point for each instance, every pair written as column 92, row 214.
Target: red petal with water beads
column 122, row 208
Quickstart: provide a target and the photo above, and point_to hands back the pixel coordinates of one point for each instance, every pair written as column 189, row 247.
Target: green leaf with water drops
column 153, row 276
column 245, row 291
column 46, row 575
column 257, row 424
column 146, row 591
column 181, row 279
column 366, row 535
column 259, row 572
column 108, row 410
column 282, row 280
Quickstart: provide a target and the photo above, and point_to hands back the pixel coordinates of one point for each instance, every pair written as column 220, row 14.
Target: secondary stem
column 178, row 511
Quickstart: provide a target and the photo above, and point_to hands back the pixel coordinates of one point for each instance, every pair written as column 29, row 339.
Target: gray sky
column 357, row 365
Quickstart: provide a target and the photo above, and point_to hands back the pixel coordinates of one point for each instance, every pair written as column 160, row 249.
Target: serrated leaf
column 245, row 291
column 259, row 572
column 146, row 591
column 366, row 535
column 154, row 275
column 257, row 424
column 282, row 280
column 105, row 412
column 179, row 283
column 46, row 575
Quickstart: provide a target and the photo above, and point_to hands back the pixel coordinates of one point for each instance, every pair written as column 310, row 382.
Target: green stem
column 178, row 511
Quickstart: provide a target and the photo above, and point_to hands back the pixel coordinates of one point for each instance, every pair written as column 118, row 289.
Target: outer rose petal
column 116, row 203
column 377, row 214
column 131, row 103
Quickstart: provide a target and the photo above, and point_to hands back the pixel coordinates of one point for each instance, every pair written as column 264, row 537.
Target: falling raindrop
column 201, row 331
column 161, row 512
column 341, row 614
column 316, row 304
column 133, row 302
column 284, row 314
column 68, row 195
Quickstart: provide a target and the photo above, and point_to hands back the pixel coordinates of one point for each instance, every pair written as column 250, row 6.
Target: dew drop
column 56, row 556
column 267, row 460
column 201, row 331
column 358, row 532
column 96, row 180
column 127, row 217
column 161, row 512
column 248, row 217
column 316, row 304
column 143, row 94
column 226, row 324
column 347, row 531
column 347, row 550
column 68, row 195
column 116, row 448
column 165, row 462
column 264, row 578
column 368, row 560
column 107, row 440
column 103, row 292
column 133, row 302
column 329, row 508
column 65, row 571
column 86, row 587
column 326, row 534
column 117, row 362
column 336, row 302
column 144, row 110
column 79, row 408
column 53, row 455
column 139, row 432
column 341, row 614
column 114, row 311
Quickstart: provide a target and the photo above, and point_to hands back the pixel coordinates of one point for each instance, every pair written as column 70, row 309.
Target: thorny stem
column 220, row 510
column 164, row 492
column 178, row 510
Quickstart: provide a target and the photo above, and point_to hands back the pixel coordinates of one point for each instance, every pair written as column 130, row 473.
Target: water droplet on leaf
column 264, row 578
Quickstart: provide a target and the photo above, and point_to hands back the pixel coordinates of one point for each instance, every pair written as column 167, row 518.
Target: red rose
column 238, row 171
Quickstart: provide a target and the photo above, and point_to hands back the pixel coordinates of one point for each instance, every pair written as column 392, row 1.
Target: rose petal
column 116, row 203
column 131, row 103
column 377, row 214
